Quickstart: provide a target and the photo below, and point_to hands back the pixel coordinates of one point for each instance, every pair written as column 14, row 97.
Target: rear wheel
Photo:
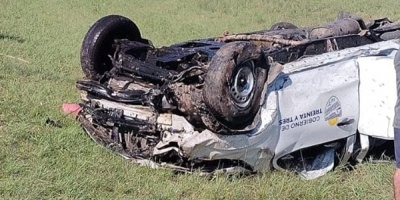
column 97, row 45
column 390, row 35
column 234, row 83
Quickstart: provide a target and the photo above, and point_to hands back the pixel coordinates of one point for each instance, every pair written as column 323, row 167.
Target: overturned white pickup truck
column 304, row 99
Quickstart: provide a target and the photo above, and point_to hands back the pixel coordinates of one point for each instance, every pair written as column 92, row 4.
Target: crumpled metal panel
column 255, row 149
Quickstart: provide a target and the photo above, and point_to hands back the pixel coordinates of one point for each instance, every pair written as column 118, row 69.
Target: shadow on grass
column 12, row 38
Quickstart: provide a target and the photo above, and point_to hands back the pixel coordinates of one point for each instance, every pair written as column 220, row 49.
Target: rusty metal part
column 338, row 27
column 260, row 37
column 133, row 137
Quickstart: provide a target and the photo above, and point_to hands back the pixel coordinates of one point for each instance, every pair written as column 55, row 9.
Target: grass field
column 39, row 64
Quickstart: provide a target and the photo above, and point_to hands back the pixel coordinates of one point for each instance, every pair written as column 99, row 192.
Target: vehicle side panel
column 318, row 105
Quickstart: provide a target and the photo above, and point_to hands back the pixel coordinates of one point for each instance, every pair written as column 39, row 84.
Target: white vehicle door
column 318, row 105
column 377, row 95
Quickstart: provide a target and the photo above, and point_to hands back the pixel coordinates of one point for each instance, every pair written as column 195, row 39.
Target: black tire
column 283, row 25
column 236, row 66
column 97, row 44
column 390, row 35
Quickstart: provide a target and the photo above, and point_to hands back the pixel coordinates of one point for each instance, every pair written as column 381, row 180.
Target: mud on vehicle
column 283, row 98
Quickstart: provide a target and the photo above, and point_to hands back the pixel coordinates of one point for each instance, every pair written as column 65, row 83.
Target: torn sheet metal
column 255, row 149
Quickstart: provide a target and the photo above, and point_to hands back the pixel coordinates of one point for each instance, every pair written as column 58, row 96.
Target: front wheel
column 234, row 83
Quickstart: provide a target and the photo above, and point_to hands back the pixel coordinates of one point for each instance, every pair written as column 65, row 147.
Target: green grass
column 39, row 161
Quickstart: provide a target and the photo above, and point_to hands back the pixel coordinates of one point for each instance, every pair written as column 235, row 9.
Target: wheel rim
column 243, row 84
